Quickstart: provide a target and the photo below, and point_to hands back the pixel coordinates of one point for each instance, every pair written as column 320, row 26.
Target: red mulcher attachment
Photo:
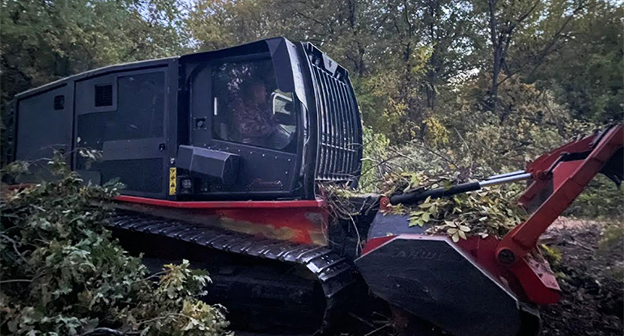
column 486, row 286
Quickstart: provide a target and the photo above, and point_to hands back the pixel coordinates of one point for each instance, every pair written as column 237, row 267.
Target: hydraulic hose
column 417, row 196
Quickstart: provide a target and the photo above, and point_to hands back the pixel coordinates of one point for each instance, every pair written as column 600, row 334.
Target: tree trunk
column 361, row 50
column 496, row 53
column 434, row 66
column 432, row 77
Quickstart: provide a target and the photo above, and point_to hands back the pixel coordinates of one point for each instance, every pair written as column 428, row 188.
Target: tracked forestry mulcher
column 222, row 153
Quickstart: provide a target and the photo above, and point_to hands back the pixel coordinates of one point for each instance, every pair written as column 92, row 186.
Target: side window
column 248, row 107
column 139, row 115
column 140, row 108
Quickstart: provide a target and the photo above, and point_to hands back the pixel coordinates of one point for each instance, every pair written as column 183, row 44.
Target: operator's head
column 255, row 91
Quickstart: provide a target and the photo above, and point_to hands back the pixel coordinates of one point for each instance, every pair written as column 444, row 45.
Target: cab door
column 120, row 129
column 237, row 108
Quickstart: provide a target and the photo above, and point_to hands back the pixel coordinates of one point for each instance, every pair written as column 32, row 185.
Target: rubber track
column 334, row 273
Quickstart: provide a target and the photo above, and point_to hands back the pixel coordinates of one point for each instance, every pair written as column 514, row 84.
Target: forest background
column 468, row 88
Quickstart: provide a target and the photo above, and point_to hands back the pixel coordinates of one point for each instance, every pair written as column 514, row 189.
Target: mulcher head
column 438, row 281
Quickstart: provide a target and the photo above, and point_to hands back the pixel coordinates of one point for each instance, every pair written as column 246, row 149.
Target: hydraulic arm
column 558, row 178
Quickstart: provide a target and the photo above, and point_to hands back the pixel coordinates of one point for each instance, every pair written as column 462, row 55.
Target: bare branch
column 556, row 36
column 14, row 280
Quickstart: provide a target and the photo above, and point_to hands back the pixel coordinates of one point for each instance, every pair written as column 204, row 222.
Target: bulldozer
column 222, row 154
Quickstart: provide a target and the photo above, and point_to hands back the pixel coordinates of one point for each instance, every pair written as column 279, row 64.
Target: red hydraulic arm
column 558, row 178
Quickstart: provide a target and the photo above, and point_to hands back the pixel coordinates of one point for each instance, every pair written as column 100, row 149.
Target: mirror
column 282, row 103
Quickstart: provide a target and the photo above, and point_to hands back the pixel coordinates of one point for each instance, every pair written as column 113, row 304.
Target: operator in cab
column 255, row 121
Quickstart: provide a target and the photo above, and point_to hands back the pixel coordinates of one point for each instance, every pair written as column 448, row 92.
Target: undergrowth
column 62, row 273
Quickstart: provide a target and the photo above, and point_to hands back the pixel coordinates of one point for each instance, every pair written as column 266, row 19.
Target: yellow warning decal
column 172, row 181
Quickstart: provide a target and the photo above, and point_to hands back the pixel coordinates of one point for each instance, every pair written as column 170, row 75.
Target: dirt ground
column 590, row 276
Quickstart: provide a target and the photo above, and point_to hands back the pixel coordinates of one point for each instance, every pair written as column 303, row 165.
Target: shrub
column 62, row 273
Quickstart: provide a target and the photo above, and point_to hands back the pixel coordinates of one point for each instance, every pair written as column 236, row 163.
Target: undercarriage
column 266, row 285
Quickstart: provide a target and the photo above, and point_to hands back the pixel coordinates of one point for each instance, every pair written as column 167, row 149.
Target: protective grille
column 103, row 95
column 59, row 102
column 339, row 133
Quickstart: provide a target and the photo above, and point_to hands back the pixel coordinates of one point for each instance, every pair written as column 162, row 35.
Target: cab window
column 248, row 108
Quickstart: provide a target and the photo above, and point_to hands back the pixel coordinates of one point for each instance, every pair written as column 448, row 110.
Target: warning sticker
column 172, row 181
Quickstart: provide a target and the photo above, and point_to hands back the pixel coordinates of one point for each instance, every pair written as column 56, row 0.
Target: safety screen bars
column 339, row 130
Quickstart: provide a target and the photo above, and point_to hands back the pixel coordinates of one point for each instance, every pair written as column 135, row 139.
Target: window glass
column 248, row 107
column 139, row 115
column 140, row 107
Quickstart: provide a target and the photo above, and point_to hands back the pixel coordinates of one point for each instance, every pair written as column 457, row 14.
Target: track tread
column 334, row 273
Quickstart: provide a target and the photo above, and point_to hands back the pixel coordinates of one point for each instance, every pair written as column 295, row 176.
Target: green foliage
column 63, row 274
column 610, row 245
column 586, row 72
column 47, row 40
column 602, row 200
column 375, row 147
column 382, row 109
column 612, row 235
column 527, row 123
column 552, row 254
column 492, row 211
column 15, row 169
